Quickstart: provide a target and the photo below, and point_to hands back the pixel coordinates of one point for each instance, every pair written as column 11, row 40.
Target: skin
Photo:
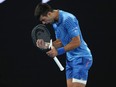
column 75, row 42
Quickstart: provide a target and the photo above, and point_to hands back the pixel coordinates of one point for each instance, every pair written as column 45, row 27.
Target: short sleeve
column 72, row 26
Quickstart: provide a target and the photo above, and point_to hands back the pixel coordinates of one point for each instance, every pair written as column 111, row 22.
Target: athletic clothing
column 78, row 60
column 66, row 28
column 78, row 68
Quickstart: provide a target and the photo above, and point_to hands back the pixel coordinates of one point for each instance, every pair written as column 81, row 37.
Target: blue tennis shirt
column 66, row 28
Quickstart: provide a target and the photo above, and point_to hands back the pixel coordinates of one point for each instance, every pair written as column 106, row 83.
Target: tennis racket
column 40, row 33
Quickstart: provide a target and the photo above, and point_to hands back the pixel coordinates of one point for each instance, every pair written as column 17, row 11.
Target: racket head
column 40, row 31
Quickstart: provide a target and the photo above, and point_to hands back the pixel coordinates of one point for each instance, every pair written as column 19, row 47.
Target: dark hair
column 42, row 9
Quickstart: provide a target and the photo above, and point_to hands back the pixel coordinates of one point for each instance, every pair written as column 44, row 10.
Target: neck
column 56, row 13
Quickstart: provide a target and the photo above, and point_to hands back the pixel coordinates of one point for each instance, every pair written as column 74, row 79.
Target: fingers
column 40, row 43
column 52, row 52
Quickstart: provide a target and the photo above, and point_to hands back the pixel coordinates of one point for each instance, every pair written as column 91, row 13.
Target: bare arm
column 75, row 42
column 57, row 43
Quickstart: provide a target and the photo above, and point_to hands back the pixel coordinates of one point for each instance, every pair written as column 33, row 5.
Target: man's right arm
column 57, row 43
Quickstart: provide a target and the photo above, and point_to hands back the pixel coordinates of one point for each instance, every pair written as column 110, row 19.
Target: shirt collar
column 59, row 18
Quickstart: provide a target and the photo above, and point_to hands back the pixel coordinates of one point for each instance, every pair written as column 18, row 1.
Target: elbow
column 77, row 44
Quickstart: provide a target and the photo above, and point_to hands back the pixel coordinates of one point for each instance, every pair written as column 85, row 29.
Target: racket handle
column 58, row 63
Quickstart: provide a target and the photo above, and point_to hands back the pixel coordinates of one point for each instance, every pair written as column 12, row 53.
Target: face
column 48, row 19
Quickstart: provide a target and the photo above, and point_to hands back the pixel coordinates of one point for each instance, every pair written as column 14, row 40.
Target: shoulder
column 67, row 15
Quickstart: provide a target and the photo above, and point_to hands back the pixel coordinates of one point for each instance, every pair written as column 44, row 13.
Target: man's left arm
column 75, row 42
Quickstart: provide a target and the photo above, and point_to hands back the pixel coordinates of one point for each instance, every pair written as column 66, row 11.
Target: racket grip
column 58, row 63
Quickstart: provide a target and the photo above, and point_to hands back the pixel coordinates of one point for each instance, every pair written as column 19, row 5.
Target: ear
column 49, row 13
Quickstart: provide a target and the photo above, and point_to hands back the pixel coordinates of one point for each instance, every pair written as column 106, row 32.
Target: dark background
column 23, row 65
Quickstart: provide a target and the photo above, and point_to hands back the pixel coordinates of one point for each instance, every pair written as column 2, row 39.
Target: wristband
column 61, row 51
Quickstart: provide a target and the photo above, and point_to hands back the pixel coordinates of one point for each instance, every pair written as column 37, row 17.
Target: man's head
column 44, row 13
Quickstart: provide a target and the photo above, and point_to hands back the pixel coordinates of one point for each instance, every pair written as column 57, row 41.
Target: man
column 69, row 40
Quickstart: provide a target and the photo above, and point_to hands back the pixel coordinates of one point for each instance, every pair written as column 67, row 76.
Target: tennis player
column 69, row 40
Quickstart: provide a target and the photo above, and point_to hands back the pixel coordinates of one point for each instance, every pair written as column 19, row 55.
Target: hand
column 41, row 44
column 52, row 53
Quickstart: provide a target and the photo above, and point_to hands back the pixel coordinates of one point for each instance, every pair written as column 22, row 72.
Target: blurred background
column 23, row 65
